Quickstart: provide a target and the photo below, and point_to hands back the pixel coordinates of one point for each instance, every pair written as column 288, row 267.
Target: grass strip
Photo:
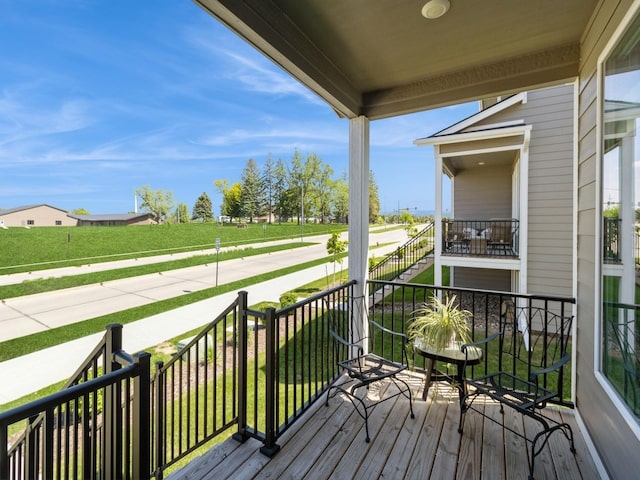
column 42, row 285
column 17, row 347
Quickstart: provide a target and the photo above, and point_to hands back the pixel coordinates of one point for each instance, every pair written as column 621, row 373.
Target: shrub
column 288, row 298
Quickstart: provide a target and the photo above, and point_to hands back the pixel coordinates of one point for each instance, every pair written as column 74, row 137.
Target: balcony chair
column 529, row 351
column 500, row 236
column 456, row 237
column 364, row 369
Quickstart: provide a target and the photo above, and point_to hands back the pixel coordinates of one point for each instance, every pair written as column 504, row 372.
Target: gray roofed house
column 114, row 219
column 40, row 215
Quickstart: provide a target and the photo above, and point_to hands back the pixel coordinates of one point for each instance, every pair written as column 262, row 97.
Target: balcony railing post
column 141, row 437
column 270, row 447
column 4, row 457
column 241, row 434
column 31, row 448
column 113, row 344
column 159, row 421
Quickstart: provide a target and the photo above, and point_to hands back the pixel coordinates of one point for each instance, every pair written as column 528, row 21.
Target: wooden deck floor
column 329, row 443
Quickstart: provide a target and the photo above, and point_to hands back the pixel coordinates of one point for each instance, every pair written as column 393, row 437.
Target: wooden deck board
column 470, row 454
column 493, row 444
column 328, row 442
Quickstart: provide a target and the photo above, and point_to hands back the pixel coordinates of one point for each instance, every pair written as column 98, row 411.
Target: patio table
column 452, row 354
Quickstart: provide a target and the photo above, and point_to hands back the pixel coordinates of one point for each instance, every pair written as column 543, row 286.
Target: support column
column 437, row 218
column 359, row 220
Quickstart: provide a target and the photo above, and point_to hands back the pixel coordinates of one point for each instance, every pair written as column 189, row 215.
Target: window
column 58, row 222
column 31, row 222
column 620, row 218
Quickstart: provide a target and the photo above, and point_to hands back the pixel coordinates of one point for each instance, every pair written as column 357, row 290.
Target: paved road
column 26, row 315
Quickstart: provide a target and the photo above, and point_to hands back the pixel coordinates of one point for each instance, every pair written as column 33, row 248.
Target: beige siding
column 483, row 193
column 483, row 278
column 549, row 111
column 615, row 441
column 38, row 216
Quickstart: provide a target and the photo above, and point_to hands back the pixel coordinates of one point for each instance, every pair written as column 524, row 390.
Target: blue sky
column 98, row 98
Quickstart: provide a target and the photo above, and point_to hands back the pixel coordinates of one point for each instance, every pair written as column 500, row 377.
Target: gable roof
column 465, row 126
column 113, row 217
column 28, row 207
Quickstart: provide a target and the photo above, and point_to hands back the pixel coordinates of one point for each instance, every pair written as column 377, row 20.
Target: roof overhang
column 381, row 59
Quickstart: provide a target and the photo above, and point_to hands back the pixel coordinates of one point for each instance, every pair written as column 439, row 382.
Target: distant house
column 47, row 216
column 36, row 216
column 114, row 219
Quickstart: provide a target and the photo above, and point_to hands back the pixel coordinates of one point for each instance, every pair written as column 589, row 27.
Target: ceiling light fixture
column 435, row 8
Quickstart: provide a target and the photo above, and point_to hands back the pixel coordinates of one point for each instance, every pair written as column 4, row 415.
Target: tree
column 181, row 215
column 231, row 198
column 335, row 247
column 374, row 199
column 340, row 200
column 324, row 186
column 78, row 211
column 283, row 198
column 203, row 209
column 157, row 202
column 252, row 191
column 269, row 183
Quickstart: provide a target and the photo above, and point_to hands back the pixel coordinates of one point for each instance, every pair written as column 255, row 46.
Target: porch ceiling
column 382, row 59
column 481, row 160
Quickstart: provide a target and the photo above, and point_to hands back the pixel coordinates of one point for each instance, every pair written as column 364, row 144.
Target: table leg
column 427, row 380
column 460, row 380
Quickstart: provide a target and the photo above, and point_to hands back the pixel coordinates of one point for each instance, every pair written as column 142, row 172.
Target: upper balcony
column 497, row 237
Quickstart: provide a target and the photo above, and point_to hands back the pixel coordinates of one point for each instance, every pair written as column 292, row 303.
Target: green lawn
column 49, row 247
column 30, row 287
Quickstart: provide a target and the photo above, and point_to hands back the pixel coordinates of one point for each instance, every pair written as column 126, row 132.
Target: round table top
column 451, row 353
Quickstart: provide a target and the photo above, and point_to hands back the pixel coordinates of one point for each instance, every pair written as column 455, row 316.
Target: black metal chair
column 364, row 369
column 528, row 352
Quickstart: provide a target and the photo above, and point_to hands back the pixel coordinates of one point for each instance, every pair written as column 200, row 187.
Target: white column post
column 437, row 218
column 359, row 219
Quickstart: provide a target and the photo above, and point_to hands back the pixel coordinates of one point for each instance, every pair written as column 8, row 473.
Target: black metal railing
column 394, row 311
column 611, row 244
column 404, row 257
column 298, row 366
column 621, row 356
column 481, row 238
column 97, row 427
column 196, row 394
column 258, row 370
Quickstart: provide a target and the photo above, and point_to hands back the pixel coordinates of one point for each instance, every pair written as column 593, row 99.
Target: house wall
column 483, row 278
column 616, row 442
column 41, row 215
column 551, row 155
column 482, row 193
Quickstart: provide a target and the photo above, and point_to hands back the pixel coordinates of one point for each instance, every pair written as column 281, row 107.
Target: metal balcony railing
column 481, row 238
column 406, row 256
column 97, row 426
column 250, row 371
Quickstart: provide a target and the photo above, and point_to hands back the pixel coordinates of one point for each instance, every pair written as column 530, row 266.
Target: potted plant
column 440, row 324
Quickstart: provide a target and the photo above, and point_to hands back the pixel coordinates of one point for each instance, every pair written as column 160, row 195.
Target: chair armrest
column 533, row 376
column 466, row 347
column 479, row 343
column 391, row 332
column 342, row 341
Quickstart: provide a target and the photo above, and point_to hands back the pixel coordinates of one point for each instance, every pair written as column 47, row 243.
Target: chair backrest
column 533, row 339
column 501, row 232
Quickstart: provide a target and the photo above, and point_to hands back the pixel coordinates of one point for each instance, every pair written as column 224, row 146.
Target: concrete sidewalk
column 23, row 375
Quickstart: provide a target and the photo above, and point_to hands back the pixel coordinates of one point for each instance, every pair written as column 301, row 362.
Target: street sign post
column 217, row 257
